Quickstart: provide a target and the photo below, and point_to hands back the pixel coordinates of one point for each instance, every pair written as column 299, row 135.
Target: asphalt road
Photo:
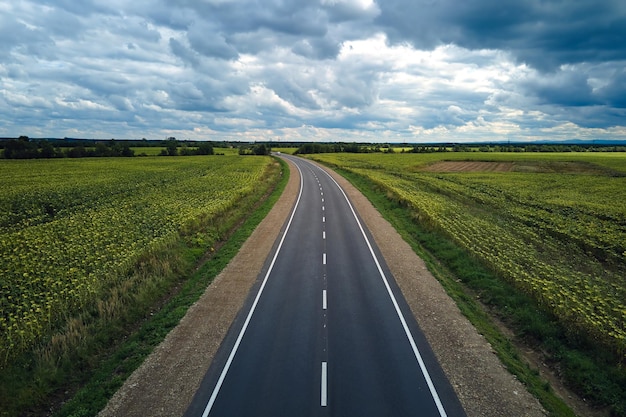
column 325, row 331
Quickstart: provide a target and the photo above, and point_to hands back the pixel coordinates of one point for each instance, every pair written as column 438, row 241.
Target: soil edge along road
column 169, row 378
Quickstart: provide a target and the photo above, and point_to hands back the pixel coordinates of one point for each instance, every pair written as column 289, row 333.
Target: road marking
column 324, row 393
column 324, row 303
column 323, row 219
column 407, row 331
column 323, row 209
column 324, row 234
column 220, row 381
column 324, row 259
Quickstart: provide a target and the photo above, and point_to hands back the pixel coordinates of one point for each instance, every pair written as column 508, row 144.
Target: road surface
column 325, row 331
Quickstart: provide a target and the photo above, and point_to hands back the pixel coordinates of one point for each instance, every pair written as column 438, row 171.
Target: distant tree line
column 25, row 148
column 309, row 148
column 172, row 148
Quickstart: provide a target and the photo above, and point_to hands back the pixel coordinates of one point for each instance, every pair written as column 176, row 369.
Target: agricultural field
column 71, row 229
column 553, row 225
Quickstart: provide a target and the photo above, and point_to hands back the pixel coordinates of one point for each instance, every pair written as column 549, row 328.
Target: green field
column 554, row 225
column 71, row 230
column 83, row 239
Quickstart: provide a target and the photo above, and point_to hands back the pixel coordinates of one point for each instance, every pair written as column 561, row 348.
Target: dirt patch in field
column 564, row 167
column 469, row 166
column 554, row 167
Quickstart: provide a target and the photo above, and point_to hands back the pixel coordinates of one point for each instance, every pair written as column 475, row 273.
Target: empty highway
column 325, row 331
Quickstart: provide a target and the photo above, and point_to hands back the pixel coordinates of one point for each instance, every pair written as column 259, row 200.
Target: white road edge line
column 324, row 388
column 416, row 351
column 220, row 381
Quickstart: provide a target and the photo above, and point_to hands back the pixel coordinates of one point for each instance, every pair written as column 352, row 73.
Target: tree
column 77, row 152
column 21, row 148
column 187, row 151
column 102, row 150
column 205, row 148
column 261, row 150
column 171, row 145
column 127, row 151
column 47, row 150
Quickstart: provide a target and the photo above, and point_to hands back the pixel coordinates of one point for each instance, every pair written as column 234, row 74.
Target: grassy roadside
column 463, row 278
column 161, row 289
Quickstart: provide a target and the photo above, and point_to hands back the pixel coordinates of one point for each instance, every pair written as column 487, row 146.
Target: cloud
column 613, row 93
column 20, row 39
column 186, row 54
column 206, row 40
column 543, row 34
column 568, row 87
column 401, row 70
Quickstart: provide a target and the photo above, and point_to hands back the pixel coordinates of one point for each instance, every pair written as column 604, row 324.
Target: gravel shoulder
column 166, row 382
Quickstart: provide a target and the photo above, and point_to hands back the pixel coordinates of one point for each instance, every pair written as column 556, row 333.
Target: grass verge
column 480, row 294
column 164, row 285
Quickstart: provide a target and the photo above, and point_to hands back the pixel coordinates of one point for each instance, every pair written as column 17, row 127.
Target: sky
column 416, row 71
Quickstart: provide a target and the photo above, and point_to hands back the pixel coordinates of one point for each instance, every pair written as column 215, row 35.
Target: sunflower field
column 70, row 227
column 554, row 225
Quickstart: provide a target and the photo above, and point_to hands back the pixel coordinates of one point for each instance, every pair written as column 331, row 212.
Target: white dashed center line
column 324, row 384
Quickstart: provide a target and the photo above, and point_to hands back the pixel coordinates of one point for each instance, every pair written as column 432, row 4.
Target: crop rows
column 68, row 228
column 559, row 238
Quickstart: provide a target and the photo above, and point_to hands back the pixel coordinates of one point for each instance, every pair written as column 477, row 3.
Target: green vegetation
column 260, row 149
column 351, row 147
column 89, row 246
column 26, row 148
column 287, row 150
column 543, row 244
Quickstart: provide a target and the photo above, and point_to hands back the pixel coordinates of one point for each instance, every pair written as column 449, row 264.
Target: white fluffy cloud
column 398, row 70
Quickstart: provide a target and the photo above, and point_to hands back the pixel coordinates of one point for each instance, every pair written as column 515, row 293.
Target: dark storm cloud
column 544, row 34
column 614, row 93
column 567, row 88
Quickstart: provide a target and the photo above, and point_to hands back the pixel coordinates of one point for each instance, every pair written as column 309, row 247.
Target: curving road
column 325, row 332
